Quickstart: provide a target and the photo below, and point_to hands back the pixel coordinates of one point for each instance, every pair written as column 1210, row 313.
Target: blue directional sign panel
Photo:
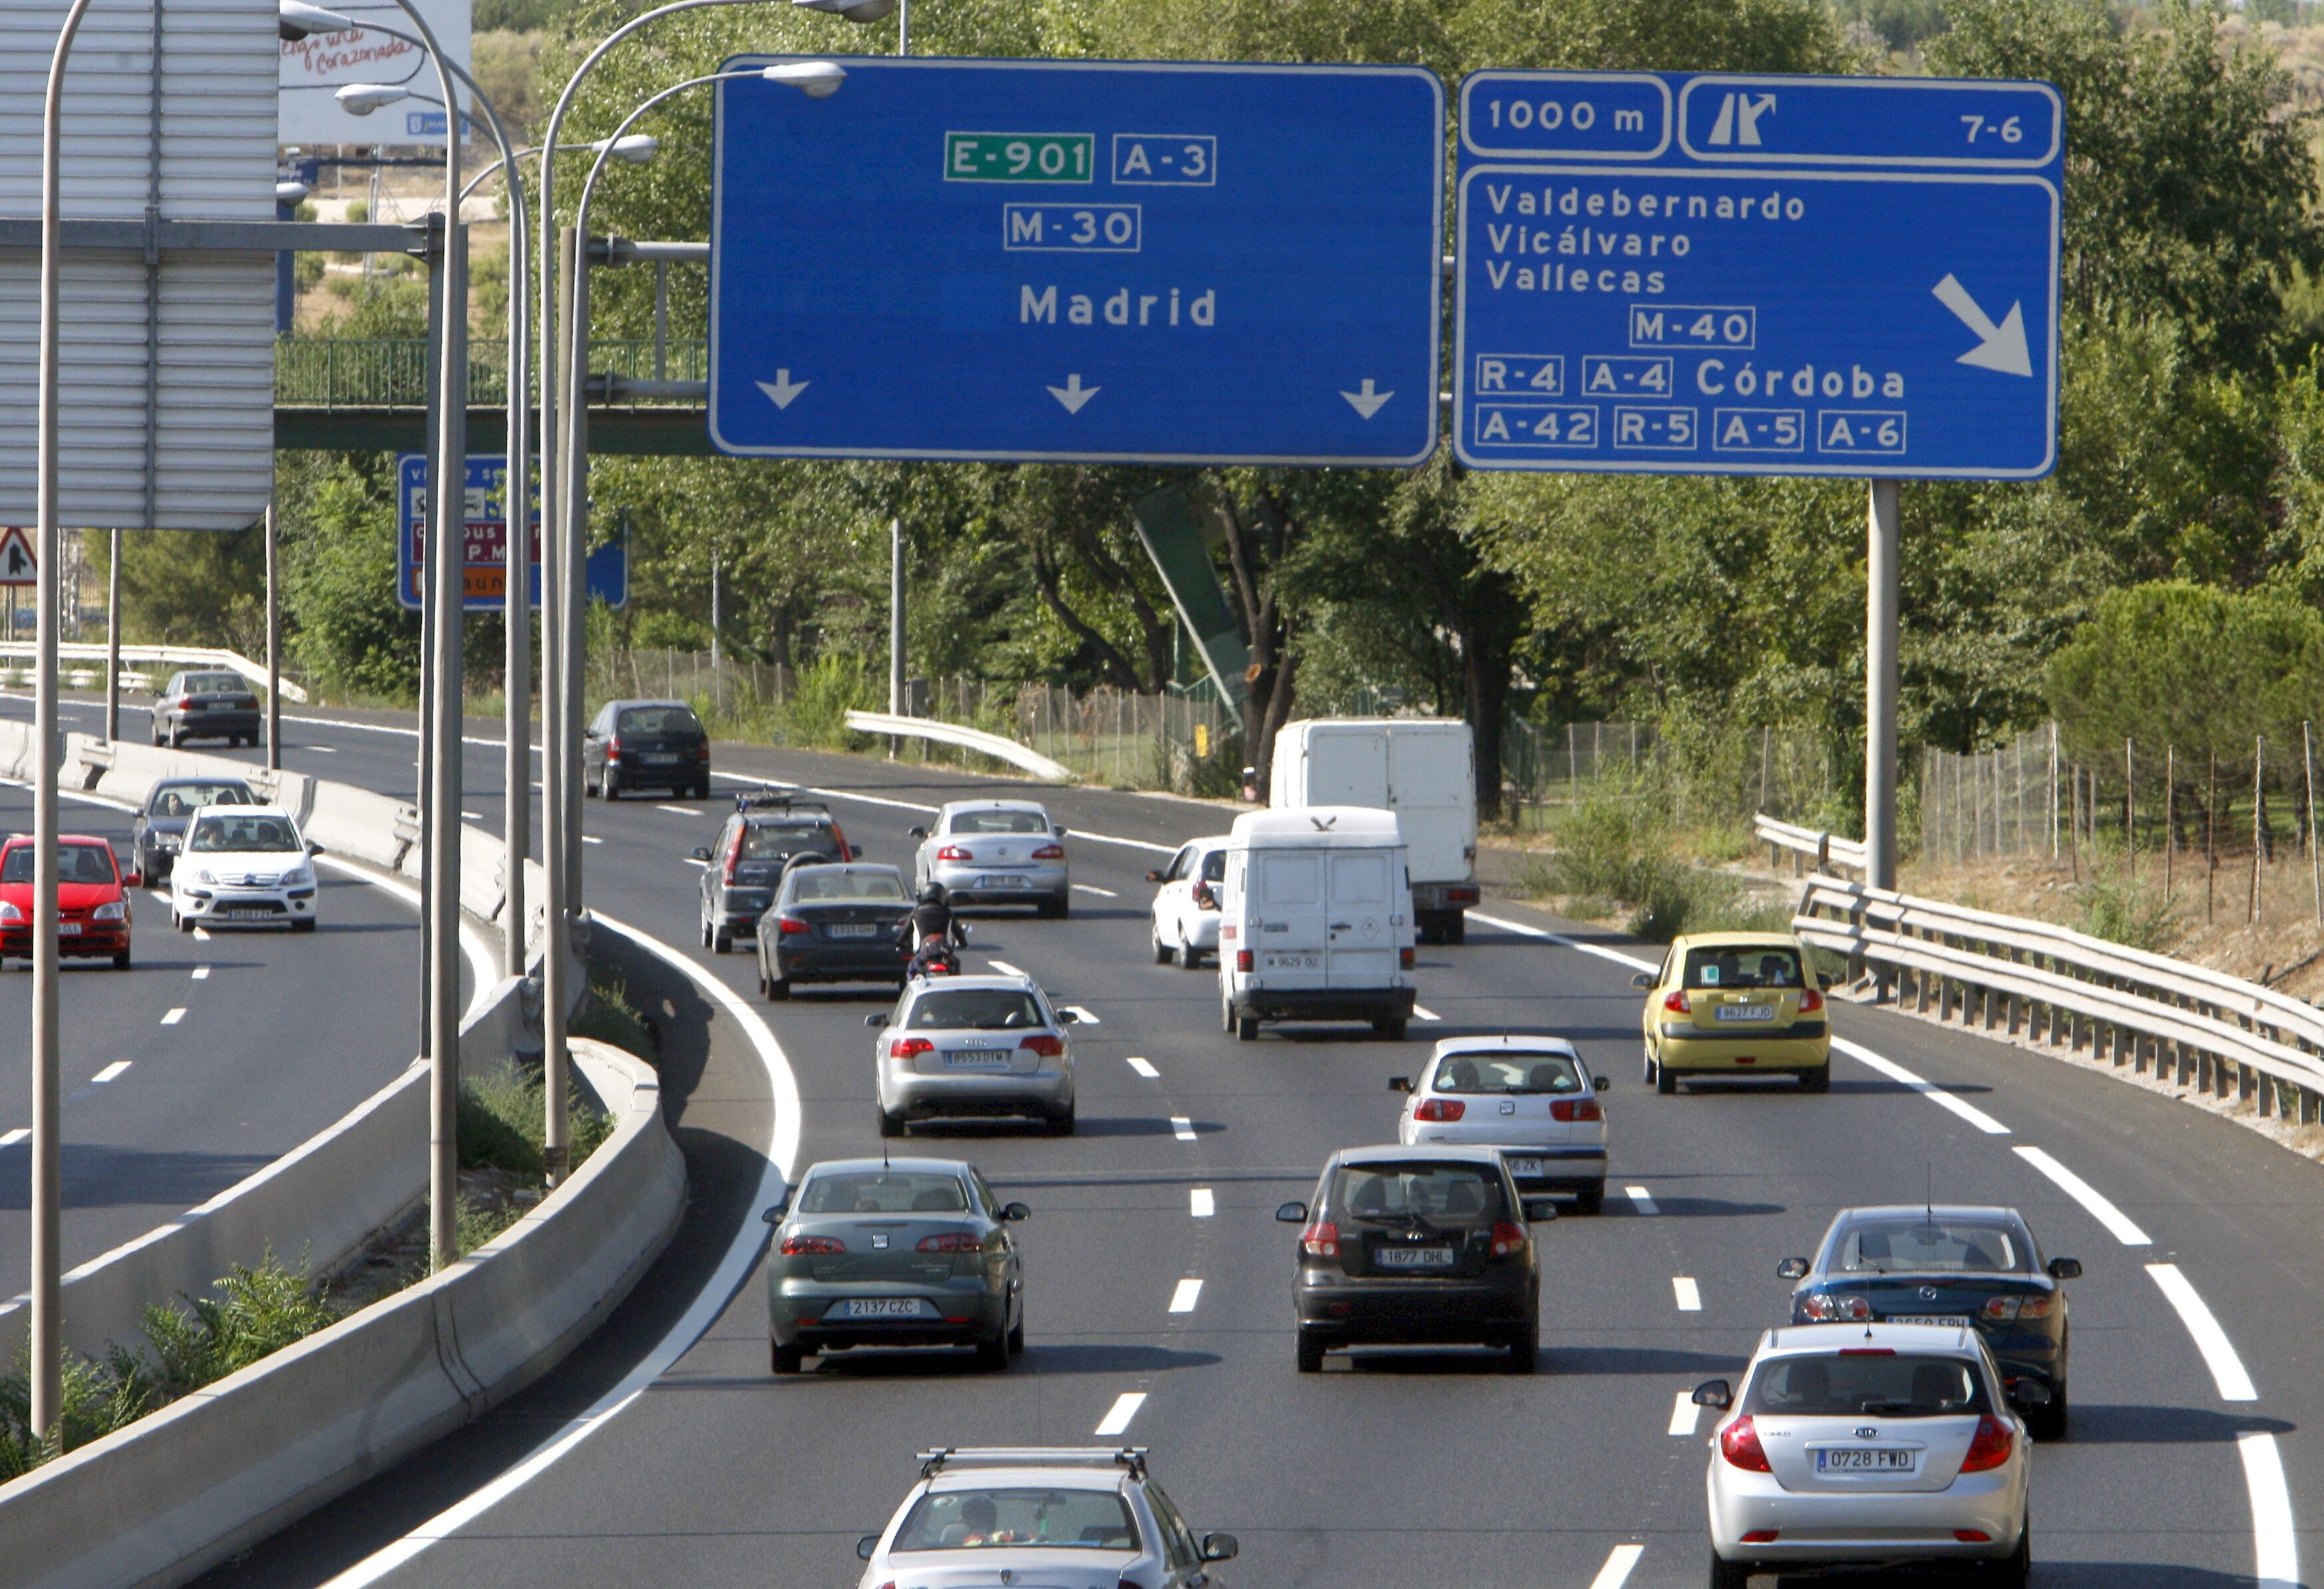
column 1663, row 273
column 1079, row 260
column 485, row 569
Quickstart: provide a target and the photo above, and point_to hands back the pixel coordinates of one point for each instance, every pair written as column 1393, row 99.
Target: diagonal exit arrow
column 2000, row 347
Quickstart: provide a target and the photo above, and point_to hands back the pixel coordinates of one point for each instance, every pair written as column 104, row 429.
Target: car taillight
column 1047, row 1044
column 1818, row 1308
column 1204, row 898
column 1243, row 960
column 702, row 751
column 790, row 925
column 951, row 1241
column 2005, row 1307
column 1441, row 1109
column 1810, row 1002
column 1405, row 958
column 1990, row 1447
column 1739, row 1442
column 1676, row 1002
column 613, row 748
column 1050, row 852
column 1575, row 1108
column 954, row 852
column 795, row 1247
column 1461, row 896
column 1320, row 1240
column 183, row 701
column 1762, row 1536
column 1508, row 1238
column 908, row 1048
column 1972, row 1536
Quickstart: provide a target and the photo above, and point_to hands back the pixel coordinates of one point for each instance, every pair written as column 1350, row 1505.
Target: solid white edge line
column 1200, row 1202
column 1144, row 1067
column 733, row 1269
column 1642, row 1200
column 2210, row 1340
column 1419, row 1014
column 1116, row 1416
column 1926, row 1089
column 1619, row 1565
column 2275, row 1545
column 681, row 810
column 1685, row 1413
column 1189, row 1292
column 1688, row 1293
column 1600, row 951
column 2101, row 1209
column 115, row 1068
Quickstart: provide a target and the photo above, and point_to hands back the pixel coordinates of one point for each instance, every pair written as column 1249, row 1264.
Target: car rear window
column 1867, row 1382
column 184, row 799
column 1507, row 1072
column 983, row 1007
column 75, row 863
column 1214, row 867
column 773, row 841
column 883, row 1191
column 822, row 887
column 1776, row 967
column 982, row 1519
column 215, row 684
column 1441, row 1193
column 998, row 822
column 657, row 720
column 213, row 834
column 1918, row 1245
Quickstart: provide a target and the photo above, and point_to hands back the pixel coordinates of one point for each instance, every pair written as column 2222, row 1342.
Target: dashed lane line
column 1619, row 1565
column 1182, row 1129
column 2276, row 1547
column 114, row 1071
column 2210, row 1340
column 1689, row 1294
column 1926, row 1089
column 2100, row 1208
column 591, row 838
column 1144, row 844
column 1201, row 1204
column 680, row 810
column 1420, row 1013
column 174, row 1017
column 201, row 973
column 1641, row 1200
column 1685, row 1413
column 1082, row 1014
column 1093, row 888
column 1189, row 1292
column 1116, row 1416
column 1005, row 969
column 1144, row 1067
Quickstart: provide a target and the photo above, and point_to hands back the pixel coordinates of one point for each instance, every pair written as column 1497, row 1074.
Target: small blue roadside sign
column 1079, row 260
column 486, row 570
column 1670, row 274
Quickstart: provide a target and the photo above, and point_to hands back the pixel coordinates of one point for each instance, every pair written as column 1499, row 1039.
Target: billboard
column 312, row 68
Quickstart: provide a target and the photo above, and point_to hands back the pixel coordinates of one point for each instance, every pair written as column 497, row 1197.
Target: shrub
column 2129, row 912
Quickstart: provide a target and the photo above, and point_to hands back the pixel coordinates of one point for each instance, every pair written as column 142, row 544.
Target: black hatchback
column 1947, row 1264
column 1417, row 1245
column 645, row 744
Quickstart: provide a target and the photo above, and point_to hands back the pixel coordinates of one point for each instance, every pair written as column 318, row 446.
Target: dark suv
column 645, row 744
column 742, row 871
column 1417, row 1245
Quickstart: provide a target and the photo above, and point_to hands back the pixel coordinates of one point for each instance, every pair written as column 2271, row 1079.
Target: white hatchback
column 1871, row 1445
column 1186, row 905
column 1531, row 1096
column 243, row 866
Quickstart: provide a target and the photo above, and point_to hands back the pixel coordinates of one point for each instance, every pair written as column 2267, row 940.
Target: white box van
column 1423, row 769
column 1316, row 920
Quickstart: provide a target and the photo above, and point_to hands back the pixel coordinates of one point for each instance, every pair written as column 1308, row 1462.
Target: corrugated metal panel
column 213, row 454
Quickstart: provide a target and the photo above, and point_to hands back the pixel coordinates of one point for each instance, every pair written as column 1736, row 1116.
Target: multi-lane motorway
column 665, row 1452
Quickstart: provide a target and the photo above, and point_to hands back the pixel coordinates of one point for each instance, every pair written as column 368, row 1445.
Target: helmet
column 932, row 894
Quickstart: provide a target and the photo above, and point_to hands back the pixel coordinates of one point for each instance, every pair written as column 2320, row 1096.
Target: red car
column 92, row 899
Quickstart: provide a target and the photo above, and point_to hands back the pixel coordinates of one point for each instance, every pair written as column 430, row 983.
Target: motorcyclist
column 932, row 931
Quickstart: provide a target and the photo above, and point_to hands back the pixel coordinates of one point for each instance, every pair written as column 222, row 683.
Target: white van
column 1316, row 920
column 1423, row 769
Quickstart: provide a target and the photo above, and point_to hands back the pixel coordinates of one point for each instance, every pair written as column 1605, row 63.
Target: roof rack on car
column 1132, row 1457
column 773, row 799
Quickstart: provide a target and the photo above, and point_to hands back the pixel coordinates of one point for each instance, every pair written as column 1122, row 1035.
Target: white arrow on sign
column 1072, row 393
column 2000, row 347
column 782, row 388
column 1367, row 402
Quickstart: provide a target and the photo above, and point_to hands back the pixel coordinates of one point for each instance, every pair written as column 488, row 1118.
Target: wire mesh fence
column 1689, row 779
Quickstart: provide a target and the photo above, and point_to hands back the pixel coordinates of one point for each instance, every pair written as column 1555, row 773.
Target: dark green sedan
column 894, row 1252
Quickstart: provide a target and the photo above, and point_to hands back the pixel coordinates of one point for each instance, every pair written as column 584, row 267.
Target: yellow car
column 1736, row 1003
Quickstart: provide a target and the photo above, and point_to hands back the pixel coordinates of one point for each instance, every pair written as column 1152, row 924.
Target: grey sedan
column 987, row 1047
column 995, row 853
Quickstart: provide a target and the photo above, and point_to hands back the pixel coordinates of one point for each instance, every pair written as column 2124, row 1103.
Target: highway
column 689, row 1463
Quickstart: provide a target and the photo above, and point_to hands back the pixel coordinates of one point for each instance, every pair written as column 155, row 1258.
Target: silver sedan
column 984, row 1047
column 995, row 853
column 1531, row 1096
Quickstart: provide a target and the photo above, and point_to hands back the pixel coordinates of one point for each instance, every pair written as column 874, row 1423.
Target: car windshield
column 1440, row 1193
column 75, row 863
column 774, row 840
column 1917, row 1245
column 657, row 720
column 883, row 1191
column 985, row 1007
column 844, row 887
column 215, row 684
column 981, row 1519
column 1874, row 1381
column 1749, row 966
column 998, row 822
column 216, row 834
column 1508, row 1072
column 185, row 799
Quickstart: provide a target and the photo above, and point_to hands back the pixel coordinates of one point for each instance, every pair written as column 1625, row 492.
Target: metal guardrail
column 392, row 373
column 947, row 733
column 2062, row 988
column 180, row 655
column 1826, row 849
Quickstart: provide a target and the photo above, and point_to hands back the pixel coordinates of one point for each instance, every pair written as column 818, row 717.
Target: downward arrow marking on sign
column 1072, row 393
column 2001, row 347
column 782, row 388
column 1367, row 402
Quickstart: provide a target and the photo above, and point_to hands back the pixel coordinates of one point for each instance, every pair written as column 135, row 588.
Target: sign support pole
column 574, row 548
column 447, row 573
column 113, row 641
column 556, row 836
column 895, row 624
column 273, row 650
column 1880, row 687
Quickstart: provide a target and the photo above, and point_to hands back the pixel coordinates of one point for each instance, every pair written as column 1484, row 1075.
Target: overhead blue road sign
column 1080, row 261
column 485, row 572
column 1669, row 275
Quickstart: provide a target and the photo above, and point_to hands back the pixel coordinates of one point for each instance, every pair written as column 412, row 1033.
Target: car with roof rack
column 743, row 868
column 1056, row 1517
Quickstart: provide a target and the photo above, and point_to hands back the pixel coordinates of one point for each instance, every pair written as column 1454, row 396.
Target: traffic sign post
column 1079, row 260
column 485, row 514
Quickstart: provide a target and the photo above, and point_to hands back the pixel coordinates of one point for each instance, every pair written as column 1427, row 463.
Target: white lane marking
column 680, row 810
column 1641, row 1200
column 2276, row 1547
column 693, row 860
column 378, row 728
column 2210, row 1340
column 1093, row 888
column 1005, row 969
column 1199, row 1202
column 1182, row 1129
column 1689, row 1294
column 201, row 973
column 1145, row 1068
column 1618, row 1563
column 174, row 1017
column 1927, row 1090
column 319, row 749
column 1420, row 1013
column 912, row 805
column 1603, row 953
column 591, row 838
column 1081, row 1013
column 472, row 816
column 2089, row 1197
column 111, row 1071
column 1189, row 1292
column 201, row 934
column 1125, row 1407
column 1685, row 1413
column 21, row 1134
column 741, row 1258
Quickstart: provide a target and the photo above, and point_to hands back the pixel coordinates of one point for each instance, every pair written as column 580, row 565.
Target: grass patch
column 610, row 1016
column 1616, row 858
column 504, row 1124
